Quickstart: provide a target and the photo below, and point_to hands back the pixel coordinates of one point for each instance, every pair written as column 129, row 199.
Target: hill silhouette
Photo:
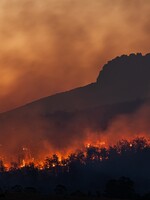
column 125, row 78
column 62, row 119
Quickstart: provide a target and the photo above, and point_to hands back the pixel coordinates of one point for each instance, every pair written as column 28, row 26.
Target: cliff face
column 125, row 78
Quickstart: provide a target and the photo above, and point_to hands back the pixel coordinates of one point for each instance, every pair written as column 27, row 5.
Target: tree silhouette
column 60, row 190
column 121, row 188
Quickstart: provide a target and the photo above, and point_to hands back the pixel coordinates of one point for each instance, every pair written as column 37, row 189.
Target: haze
column 55, row 45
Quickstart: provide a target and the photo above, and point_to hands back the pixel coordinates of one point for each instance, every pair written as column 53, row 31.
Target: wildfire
column 100, row 150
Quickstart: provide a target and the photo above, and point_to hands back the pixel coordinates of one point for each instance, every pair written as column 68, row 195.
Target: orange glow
column 60, row 159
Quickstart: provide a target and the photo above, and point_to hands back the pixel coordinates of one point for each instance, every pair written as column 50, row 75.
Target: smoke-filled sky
column 55, row 45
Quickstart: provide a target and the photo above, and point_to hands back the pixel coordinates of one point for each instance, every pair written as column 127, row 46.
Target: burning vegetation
column 98, row 153
column 87, row 169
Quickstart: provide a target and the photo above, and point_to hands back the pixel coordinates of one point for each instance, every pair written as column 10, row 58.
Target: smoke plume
column 55, row 45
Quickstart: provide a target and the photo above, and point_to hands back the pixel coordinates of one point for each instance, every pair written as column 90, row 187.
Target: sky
column 55, row 45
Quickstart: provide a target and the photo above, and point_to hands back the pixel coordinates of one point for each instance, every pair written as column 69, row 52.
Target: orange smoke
column 42, row 41
column 33, row 139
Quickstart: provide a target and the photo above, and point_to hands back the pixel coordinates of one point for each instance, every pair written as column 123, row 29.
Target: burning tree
column 89, row 154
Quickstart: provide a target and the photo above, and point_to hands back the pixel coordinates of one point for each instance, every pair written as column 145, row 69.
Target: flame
column 102, row 145
column 23, row 163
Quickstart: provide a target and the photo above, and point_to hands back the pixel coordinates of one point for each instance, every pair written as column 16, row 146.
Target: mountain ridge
column 109, row 88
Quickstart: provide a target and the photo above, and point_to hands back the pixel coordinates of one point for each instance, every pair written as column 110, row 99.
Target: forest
column 118, row 171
